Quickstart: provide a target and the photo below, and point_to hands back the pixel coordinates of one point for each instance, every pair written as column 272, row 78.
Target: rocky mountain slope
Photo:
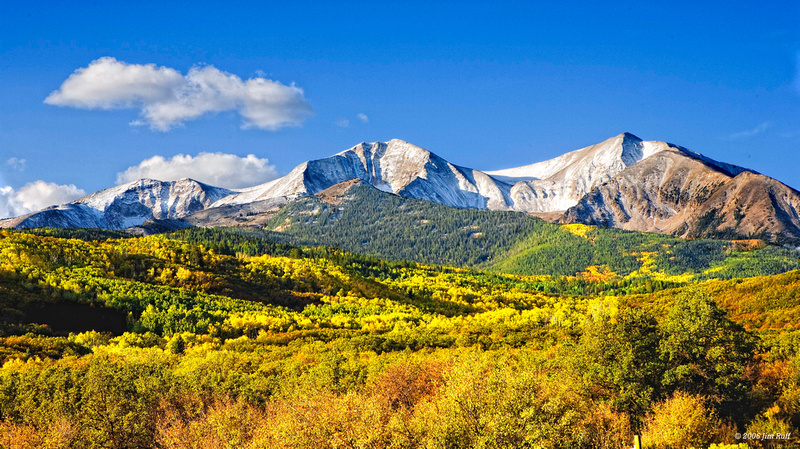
column 623, row 182
column 394, row 166
column 354, row 216
column 125, row 205
column 676, row 193
column 560, row 183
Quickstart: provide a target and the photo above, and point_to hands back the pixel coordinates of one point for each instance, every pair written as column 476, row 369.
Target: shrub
column 682, row 421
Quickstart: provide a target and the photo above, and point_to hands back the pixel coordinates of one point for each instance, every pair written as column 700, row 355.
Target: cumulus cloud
column 342, row 122
column 218, row 169
column 108, row 84
column 363, row 117
column 16, row 164
column 35, row 196
column 166, row 98
column 761, row 128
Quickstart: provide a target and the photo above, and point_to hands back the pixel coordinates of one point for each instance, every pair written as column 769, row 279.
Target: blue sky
column 483, row 85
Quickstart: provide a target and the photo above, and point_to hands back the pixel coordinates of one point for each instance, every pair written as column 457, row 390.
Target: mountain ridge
column 395, row 166
column 125, row 205
column 678, row 195
column 622, row 182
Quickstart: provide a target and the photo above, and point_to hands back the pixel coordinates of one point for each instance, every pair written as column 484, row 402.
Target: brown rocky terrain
column 673, row 192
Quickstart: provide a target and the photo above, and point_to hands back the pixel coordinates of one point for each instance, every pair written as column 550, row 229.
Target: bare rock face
column 248, row 214
column 683, row 194
column 750, row 205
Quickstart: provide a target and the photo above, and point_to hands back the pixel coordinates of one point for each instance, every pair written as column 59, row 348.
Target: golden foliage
column 681, row 422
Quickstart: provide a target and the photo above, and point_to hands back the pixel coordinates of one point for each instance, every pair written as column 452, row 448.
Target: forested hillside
column 364, row 220
column 225, row 338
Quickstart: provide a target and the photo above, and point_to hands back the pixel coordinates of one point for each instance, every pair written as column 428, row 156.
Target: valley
column 384, row 297
column 237, row 335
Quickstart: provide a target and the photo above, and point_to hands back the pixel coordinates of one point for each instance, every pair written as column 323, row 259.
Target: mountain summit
column 395, row 166
column 557, row 184
column 125, row 205
column 685, row 194
column 623, row 182
column 560, row 183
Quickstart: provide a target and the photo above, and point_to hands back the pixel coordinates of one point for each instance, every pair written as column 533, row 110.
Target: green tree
column 120, row 399
column 618, row 359
column 176, row 345
column 705, row 352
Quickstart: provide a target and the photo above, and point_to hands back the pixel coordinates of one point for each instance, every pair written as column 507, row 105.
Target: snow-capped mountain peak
column 557, row 184
column 605, row 182
column 127, row 205
column 610, row 155
column 395, row 166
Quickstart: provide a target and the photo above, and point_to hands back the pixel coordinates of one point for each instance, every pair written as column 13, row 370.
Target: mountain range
column 623, row 182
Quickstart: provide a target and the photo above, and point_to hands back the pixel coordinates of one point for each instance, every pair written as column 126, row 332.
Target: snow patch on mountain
column 126, row 205
column 395, row 166
column 559, row 183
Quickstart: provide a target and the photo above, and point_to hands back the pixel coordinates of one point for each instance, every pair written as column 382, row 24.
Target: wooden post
column 637, row 442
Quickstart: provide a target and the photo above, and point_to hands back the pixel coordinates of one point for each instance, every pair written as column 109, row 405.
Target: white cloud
column 218, row 169
column 342, row 122
column 761, row 128
column 16, row 164
column 35, row 196
column 363, row 117
column 107, row 84
column 167, row 98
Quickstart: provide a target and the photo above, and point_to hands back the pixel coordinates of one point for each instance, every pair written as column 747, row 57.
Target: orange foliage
column 403, row 385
